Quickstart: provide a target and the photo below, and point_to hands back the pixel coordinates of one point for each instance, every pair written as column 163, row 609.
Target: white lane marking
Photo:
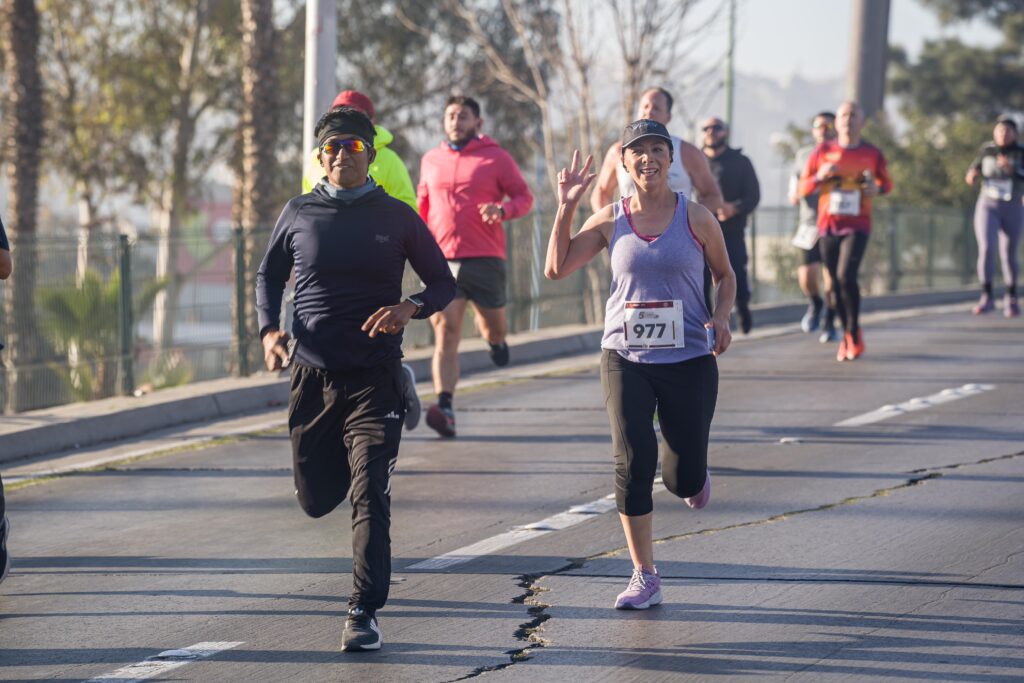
column 920, row 403
column 577, row 514
column 164, row 662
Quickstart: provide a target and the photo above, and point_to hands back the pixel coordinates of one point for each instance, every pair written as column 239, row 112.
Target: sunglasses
column 825, row 126
column 715, row 127
column 351, row 146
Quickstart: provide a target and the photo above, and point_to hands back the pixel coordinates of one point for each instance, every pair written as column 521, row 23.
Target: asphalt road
column 890, row 547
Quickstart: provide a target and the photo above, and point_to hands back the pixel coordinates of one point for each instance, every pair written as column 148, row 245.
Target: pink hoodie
column 453, row 185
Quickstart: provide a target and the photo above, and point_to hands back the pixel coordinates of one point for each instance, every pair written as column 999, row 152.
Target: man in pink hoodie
column 468, row 186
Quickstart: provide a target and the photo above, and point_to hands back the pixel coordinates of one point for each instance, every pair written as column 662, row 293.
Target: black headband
column 343, row 127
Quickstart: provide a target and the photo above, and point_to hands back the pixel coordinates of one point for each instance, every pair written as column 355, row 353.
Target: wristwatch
column 417, row 302
column 501, row 210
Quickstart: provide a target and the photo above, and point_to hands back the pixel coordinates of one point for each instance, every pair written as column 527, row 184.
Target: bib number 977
column 654, row 324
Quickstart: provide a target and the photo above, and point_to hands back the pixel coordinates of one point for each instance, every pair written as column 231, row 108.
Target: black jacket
column 735, row 175
column 349, row 258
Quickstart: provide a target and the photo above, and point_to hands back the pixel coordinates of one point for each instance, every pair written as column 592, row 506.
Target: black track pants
column 345, row 428
column 842, row 256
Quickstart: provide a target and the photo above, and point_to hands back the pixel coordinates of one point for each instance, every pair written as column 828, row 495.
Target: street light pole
column 729, row 78
column 321, row 57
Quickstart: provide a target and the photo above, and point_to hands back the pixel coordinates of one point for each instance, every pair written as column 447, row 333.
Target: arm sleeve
column 511, row 183
column 882, row 174
column 426, row 259
column 393, row 176
column 274, row 272
column 423, row 194
column 751, row 196
column 809, row 176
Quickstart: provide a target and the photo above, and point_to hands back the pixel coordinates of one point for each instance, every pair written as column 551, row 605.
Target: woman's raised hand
column 574, row 181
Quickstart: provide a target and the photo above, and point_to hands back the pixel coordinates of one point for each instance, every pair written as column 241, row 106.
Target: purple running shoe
column 644, row 591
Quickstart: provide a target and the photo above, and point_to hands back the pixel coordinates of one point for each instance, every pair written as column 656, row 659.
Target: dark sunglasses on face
column 715, row 127
column 351, row 146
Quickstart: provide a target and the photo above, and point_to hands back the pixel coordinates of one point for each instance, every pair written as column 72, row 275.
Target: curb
column 76, row 426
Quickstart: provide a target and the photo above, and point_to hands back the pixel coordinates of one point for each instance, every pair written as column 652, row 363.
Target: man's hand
column 491, row 213
column 275, row 349
column 1003, row 162
column 870, row 189
column 972, row 176
column 390, row 319
column 727, row 211
column 826, row 172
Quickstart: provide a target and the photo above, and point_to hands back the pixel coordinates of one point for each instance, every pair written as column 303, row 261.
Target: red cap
column 356, row 100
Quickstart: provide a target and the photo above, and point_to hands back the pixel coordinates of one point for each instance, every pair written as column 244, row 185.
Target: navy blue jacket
column 349, row 258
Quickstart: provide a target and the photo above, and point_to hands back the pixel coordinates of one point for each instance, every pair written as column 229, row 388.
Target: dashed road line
column 890, row 411
column 164, row 662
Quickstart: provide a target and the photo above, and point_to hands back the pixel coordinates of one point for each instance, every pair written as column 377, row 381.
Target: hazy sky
column 779, row 38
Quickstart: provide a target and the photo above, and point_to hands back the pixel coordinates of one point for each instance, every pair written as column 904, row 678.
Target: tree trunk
column 23, row 134
column 86, row 224
column 174, row 193
column 259, row 129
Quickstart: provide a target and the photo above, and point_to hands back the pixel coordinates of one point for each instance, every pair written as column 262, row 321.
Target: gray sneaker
column 361, row 631
column 413, row 409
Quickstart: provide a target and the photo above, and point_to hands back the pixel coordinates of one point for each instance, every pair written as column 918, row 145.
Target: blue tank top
column 651, row 281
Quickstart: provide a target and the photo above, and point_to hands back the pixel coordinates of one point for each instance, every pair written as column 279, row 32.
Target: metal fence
column 114, row 327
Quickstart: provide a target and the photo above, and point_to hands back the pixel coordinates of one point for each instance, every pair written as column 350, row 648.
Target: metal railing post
column 241, row 347
column 894, row 253
column 125, row 318
column 753, row 257
column 929, row 274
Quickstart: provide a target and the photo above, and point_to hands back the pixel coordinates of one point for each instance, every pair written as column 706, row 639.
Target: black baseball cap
column 1008, row 120
column 644, row 128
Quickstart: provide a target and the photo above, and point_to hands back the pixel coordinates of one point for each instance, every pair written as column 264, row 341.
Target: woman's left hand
column 723, row 336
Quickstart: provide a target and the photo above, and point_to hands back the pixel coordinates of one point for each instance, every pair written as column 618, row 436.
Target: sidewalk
column 63, row 428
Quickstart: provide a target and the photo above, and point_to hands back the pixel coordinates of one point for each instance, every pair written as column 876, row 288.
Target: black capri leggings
column 684, row 395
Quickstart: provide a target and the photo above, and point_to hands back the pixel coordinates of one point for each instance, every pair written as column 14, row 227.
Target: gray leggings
column 993, row 217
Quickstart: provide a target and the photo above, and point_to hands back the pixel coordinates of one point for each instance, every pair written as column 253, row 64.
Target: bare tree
column 649, row 34
column 23, row 133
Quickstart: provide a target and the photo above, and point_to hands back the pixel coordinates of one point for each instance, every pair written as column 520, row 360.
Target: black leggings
column 684, row 395
column 842, row 255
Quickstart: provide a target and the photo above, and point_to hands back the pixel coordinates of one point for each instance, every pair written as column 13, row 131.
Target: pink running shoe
column 984, row 305
column 702, row 498
column 1011, row 309
column 644, row 591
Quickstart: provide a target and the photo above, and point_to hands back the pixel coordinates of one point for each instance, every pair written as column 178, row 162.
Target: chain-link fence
column 124, row 315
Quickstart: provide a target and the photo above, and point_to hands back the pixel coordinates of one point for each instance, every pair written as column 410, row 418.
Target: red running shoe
column 441, row 420
column 841, row 353
column 855, row 346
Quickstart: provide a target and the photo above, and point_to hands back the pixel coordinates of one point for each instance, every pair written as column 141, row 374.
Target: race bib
column 806, row 237
column 999, row 188
column 844, row 202
column 654, row 324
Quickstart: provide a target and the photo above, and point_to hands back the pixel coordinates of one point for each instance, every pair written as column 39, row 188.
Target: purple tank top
column 651, row 281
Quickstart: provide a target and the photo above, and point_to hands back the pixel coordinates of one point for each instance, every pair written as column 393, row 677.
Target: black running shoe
column 499, row 354
column 746, row 321
column 361, row 631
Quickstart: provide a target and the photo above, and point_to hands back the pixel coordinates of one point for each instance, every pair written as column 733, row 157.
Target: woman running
column 999, row 213
column 660, row 340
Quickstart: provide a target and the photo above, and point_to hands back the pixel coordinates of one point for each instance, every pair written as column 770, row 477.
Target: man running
column 660, row 339
column 6, row 266
column 806, row 238
column 689, row 170
column 998, row 213
column 741, row 194
column 847, row 173
column 391, row 175
column 348, row 242
column 468, row 187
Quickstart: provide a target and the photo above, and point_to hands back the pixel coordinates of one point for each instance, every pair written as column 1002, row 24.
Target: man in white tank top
column 689, row 170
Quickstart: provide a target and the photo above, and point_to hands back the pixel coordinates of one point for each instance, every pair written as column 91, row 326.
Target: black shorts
column 481, row 280
column 812, row 255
